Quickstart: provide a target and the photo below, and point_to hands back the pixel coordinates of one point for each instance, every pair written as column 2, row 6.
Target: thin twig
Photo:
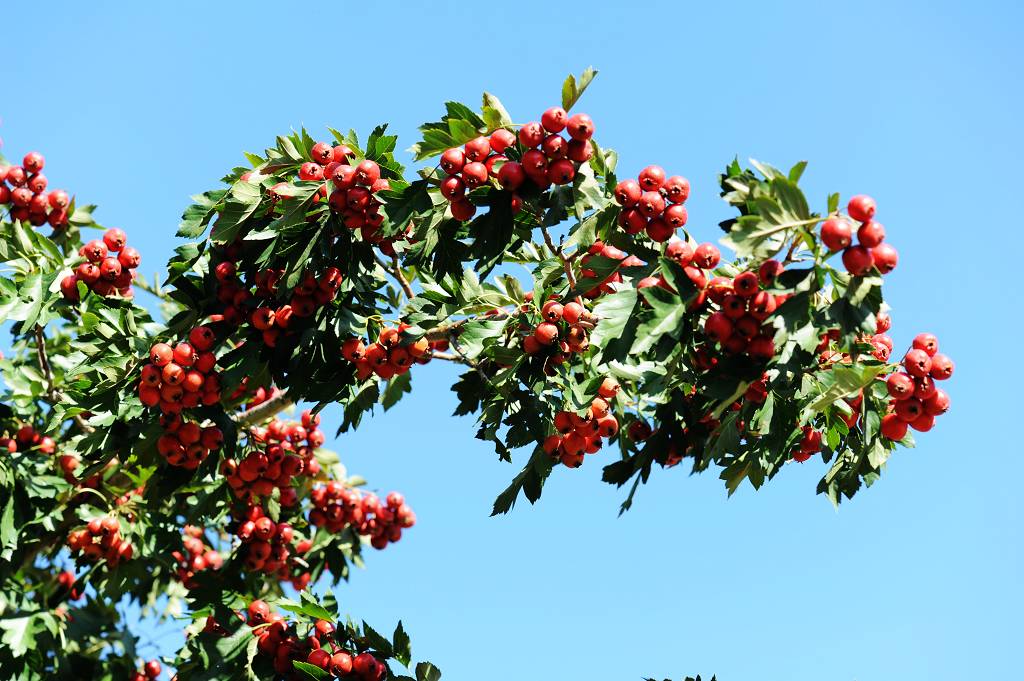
column 443, row 331
column 466, row 360
column 446, row 356
column 561, row 256
column 395, row 271
column 44, row 362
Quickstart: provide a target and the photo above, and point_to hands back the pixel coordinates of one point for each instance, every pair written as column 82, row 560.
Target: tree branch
column 566, row 264
column 264, row 410
column 395, row 270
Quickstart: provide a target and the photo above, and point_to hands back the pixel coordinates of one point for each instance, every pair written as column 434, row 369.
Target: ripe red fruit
column 917, row 362
column 923, row 423
column 909, row 409
column 768, row 271
column 474, row 174
column 69, row 287
column 511, row 175
column 706, row 256
column 580, row 127
column 367, row 172
column 95, row 251
column 652, row 178
column 554, row 119
column 941, row 368
column 609, row 388
column 651, row 203
column 161, row 354
column 546, row 333
column 184, row 354
column 453, row 160
column 883, row 322
column 571, row 312
column 59, row 199
column 37, row 183
column 885, row 258
column 113, row 238
column 745, row 284
column 462, row 209
column 110, row 269
column 893, row 427
column 554, row 147
column 531, row 135
column 561, row 171
column 937, row 404
column 152, row 669
column 580, row 151
column 900, row 386
column 364, row 665
column 836, row 234
column 861, row 208
column 341, row 663
column 659, row 230
column 718, row 327
column 201, row 338
column 628, row 192
column 927, row 342
column 33, row 162
column 676, row 188
column 501, row 139
column 552, row 311
column 311, row 171
column 871, row 234
column 478, row 148
column 857, row 260
column 675, row 215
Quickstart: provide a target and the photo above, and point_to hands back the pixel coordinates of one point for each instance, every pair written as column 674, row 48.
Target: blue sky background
column 138, row 106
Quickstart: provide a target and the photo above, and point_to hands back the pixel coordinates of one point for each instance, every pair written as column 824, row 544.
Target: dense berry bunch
column 269, row 546
column 916, row 400
column 109, row 267
column 653, row 203
column 581, row 435
column 388, row 356
column 186, row 443
column 741, row 307
column 182, row 377
column 545, row 158
column 257, row 299
column 100, row 538
column 281, row 452
column 870, row 252
column 26, row 438
column 337, row 507
column 280, row 640
column 562, row 331
column 23, row 192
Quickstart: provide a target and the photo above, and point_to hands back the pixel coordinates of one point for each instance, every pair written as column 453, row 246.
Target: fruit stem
column 561, row 256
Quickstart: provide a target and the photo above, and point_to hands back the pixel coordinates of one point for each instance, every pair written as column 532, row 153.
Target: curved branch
column 264, row 410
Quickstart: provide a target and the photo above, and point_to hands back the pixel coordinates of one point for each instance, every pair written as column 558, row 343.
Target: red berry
column 152, row 669
column 33, row 162
column 917, row 362
column 531, row 135
column 580, row 127
column 941, row 367
column 367, row 173
column 511, row 175
column 937, row 404
column 474, row 174
column 129, row 257
column 501, row 139
column 836, row 234
column 114, row 238
column 202, row 338
column 706, row 256
column 676, row 188
column 861, row 208
column 871, row 234
column 927, row 342
column 110, row 269
column 718, row 327
column 554, row 147
column 546, row 333
column 857, row 260
column 893, row 427
column 652, row 177
column 900, row 386
column 478, row 148
column 462, row 209
column 628, row 193
column 561, row 171
column 554, row 119
column 885, row 258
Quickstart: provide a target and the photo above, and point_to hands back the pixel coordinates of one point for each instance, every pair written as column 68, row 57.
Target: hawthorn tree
column 147, row 458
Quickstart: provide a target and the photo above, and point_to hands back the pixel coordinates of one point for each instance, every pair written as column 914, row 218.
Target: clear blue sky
column 917, row 104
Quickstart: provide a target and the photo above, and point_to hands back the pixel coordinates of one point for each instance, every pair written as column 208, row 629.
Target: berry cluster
column 870, row 251
column 738, row 324
column 653, row 203
column 100, row 538
column 109, row 267
column 150, row 670
column 547, row 158
column 337, row 507
column 196, row 557
column 27, row 437
column 23, row 188
column 267, row 546
column 386, row 357
column 283, row 450
column 916, row 400
column 695, row 261
column 581, row 435
column 607, row 285
column 182, row 377
column 808, row 445
column 258, row 302
column 279, row 639
column 563, row 331
column 186, row 443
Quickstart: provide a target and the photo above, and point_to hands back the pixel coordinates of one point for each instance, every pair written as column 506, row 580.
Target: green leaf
column 19, row 634
column 402, row 645
column 495, row 115
column 311, row 670
column 397, row 386
column 614, row 312
column 427, row 672
column 667, row 317
column 572, row 89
